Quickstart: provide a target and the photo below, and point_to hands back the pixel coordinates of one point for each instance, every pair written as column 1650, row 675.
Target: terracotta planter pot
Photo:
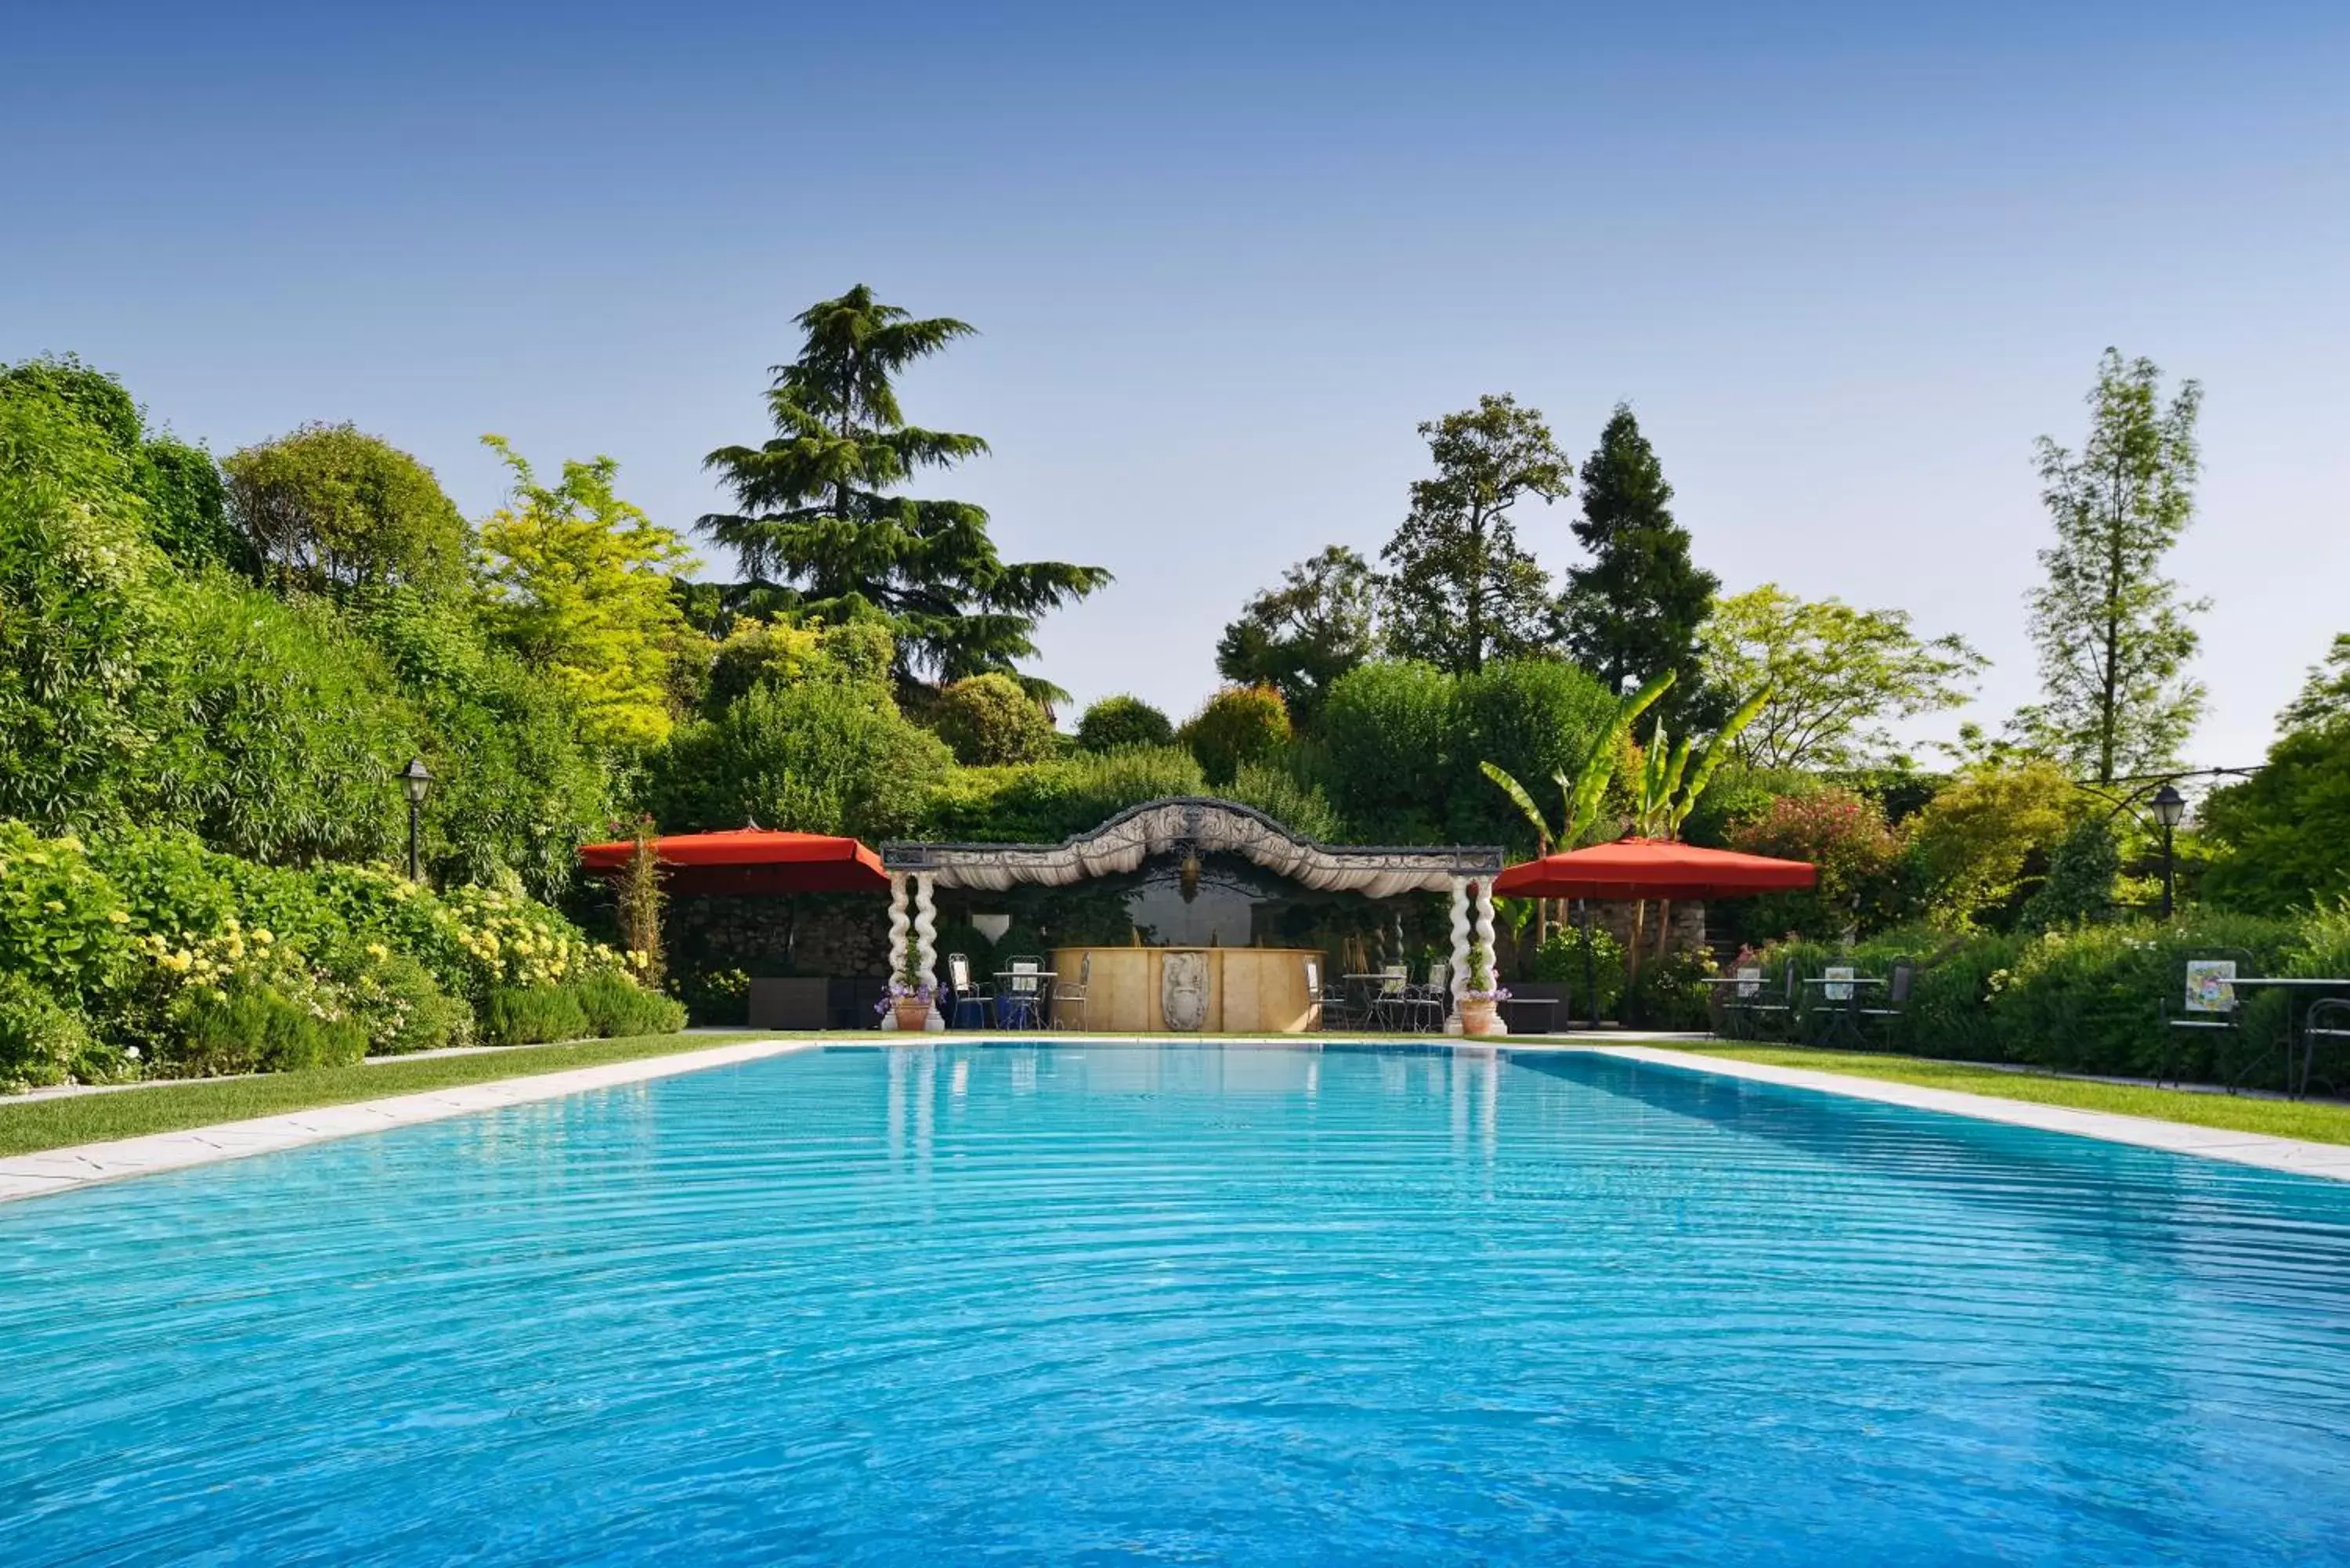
column 913, row 1014
column 1479, row 1015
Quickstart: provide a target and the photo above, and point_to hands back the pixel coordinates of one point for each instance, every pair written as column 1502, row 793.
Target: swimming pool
column 1084, row 1303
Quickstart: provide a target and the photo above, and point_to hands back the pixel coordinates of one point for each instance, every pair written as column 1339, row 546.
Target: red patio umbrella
column 1652, row 868
column 751, row 860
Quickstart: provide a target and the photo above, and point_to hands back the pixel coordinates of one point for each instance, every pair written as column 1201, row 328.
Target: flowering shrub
column 1846, row 835
column 62, row 925
column 147, row 951
column 42, row 1041
column 510, row 940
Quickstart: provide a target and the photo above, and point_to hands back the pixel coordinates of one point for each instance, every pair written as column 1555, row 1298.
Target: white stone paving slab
column 63, row 1169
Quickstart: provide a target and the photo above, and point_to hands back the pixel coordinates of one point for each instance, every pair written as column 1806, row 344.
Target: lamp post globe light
column 2169, row 809
column 417, row 779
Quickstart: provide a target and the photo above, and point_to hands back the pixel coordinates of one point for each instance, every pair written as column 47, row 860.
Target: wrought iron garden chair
column 964, row 999
column 2326, row 1029
column 1428, row 1005
column 1875, row 1024
column 1067, row 994
column 1391, row 1003
column 1779, row 1018
column 2202, row 1014
column 1020, row 997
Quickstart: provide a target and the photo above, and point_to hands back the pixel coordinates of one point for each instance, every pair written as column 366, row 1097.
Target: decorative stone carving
column 1183, row 992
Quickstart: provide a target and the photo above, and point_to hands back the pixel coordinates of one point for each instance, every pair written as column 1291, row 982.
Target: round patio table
column 1843, row 1021
column 2300, row 992
column 1014, row 1001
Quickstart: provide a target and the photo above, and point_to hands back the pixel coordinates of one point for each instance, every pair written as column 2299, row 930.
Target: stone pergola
column 1195, row 824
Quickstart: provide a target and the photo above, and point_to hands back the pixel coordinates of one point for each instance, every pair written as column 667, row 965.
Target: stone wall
column 840, row 934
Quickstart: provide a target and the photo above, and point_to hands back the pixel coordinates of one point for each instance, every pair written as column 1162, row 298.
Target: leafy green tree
column 187, row 508
column 328, row 507
column 519, row 787
column 1387, row 735
column 814, row 756
column 1837, row 676
column 1119, row 723
column 1239, row 725
column 2281, row 838
column 578, row 584
column 2111, row 630
column 987, row 719
column 818, row 511
column 1527, row 718
column 1982, row 847
column 186, row 504
column 2324, row 696
column 1460, row 590
column 1635, row 610
column 83, row 618
column 2084, row 872
column 1317, row 624
column 288, row 729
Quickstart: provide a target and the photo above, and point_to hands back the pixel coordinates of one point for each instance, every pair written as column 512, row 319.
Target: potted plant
column 1481, row 998
column 909, row 996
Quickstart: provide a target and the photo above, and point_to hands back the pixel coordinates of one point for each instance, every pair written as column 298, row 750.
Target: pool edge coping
column 2266, row 1151
column 78, row 1165
column 84, row 1165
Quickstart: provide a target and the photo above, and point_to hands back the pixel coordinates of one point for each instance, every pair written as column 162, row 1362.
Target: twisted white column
column 926, row 944
column 1460, row 976
column 1484, row 909
column 897, row 924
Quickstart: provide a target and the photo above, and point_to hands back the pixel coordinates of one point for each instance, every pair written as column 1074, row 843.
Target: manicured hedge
column 2086, row 1000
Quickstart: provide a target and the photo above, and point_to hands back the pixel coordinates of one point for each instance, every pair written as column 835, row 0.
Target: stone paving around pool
column 63, row 1169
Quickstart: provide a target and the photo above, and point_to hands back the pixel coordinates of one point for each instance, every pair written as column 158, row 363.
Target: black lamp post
column 418, row 781
column 2170, row 806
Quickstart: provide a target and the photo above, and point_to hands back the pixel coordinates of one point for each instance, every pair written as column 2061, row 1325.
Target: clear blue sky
column 1844, row 260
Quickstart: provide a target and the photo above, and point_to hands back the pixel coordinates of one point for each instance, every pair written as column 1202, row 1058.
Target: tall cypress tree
column 819, row 519
column 2115, row 635
column 1633, row 612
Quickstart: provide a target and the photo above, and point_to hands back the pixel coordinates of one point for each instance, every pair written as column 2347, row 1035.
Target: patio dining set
column 1841, row 1007
column 2208, row 1008
column 1024, row 995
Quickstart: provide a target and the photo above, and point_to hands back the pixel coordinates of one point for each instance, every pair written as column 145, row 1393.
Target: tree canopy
column 1837, row 675
column 329, row 507
column 820, row 517
column 2112, row 632
column 1634, row 610
column 2324, row 696
column 579, row 582
column 1298, row 638
column 1460, row 589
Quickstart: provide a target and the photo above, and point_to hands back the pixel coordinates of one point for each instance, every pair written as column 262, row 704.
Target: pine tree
column 1633, row 613
column 2111, row 630
column 1462, row 590
column 819, row 516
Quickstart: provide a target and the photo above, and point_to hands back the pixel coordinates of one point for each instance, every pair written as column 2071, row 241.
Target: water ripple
column 1184, row 1305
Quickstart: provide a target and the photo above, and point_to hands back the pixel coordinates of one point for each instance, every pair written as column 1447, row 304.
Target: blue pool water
column 1183, row 1305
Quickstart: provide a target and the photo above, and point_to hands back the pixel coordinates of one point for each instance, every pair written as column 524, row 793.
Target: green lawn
column 27, row 1127
column 2319, row 1123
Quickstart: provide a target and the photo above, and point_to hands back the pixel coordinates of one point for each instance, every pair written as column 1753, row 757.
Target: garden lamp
column 2170, row 806
column 417, row 779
